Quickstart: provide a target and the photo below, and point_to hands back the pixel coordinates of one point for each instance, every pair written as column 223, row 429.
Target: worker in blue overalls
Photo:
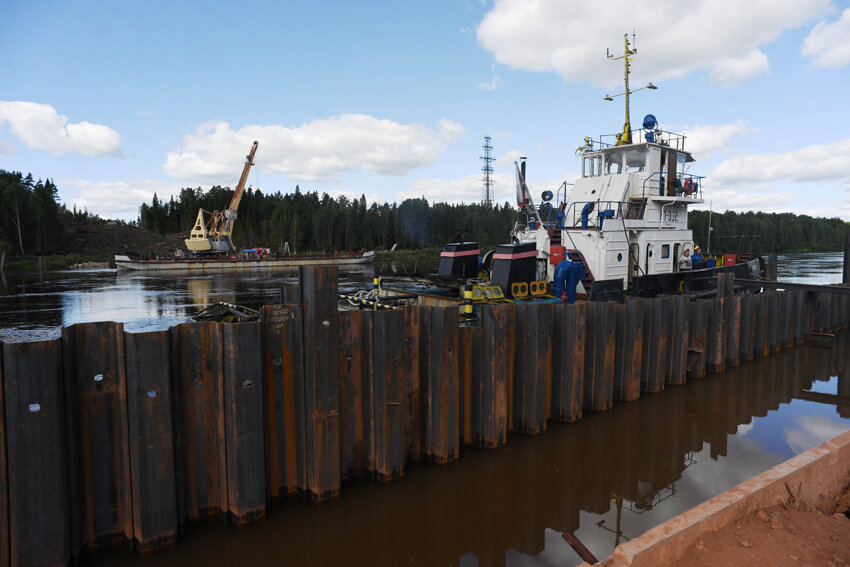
column 696, row 259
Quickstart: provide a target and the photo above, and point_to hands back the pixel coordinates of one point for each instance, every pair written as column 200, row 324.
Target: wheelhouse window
column 636, row 160
column 591, row 166
column 665, row 250
column 613, row 163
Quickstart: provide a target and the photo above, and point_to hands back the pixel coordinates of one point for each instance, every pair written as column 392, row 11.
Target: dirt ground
column 110, row 237
column 779, row 536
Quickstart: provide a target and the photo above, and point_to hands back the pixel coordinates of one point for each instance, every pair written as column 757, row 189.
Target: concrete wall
column 815, row 477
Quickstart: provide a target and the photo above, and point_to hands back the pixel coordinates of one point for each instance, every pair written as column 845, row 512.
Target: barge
column 253, row 262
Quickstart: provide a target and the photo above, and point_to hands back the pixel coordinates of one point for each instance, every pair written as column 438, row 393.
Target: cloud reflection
column 811, row 431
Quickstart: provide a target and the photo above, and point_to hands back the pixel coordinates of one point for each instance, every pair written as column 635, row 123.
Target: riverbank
column 792, row 514
column 31, row 263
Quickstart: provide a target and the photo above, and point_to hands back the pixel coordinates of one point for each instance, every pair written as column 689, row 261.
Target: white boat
column 627, row 214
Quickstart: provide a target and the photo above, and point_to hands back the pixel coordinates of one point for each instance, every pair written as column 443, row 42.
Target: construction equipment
column 212, row 230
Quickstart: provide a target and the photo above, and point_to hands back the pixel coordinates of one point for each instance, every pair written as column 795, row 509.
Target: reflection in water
column 814, row 268
column 35, row 306
column 621, row 471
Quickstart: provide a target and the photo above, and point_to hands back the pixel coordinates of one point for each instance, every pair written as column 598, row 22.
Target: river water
column 607, row 478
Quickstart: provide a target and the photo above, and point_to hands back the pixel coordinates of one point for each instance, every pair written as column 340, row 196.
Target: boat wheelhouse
column 627, row 215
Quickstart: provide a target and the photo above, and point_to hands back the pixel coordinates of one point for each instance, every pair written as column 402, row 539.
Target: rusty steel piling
column 99, row 455
column 35, row 461
column 108, row 436
column 151, row 428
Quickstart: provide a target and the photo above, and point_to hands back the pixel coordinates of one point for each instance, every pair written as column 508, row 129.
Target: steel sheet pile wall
column 109, row 436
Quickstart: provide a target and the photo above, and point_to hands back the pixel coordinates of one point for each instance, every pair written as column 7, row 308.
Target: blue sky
column 117, row 100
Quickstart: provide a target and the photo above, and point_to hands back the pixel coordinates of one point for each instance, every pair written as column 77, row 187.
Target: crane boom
column 212, row 235
column 230, row 216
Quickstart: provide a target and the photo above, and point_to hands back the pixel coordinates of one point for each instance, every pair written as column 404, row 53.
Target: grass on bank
column 29, row 263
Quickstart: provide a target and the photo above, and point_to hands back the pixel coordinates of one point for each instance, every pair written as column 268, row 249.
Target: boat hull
column 205, row 266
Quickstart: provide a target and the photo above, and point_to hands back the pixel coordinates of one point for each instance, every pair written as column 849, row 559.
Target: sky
column 116, row 101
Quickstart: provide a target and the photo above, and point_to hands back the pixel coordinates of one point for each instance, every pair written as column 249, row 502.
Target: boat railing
column 639, row 136
column 592, row 214
column 680, row 185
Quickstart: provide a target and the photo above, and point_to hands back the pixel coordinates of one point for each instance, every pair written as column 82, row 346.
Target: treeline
column 29, row 214
column 767, row 232
column 308, row 221
column 32, row 220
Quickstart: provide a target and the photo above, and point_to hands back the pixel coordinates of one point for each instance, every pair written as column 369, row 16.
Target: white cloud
column 40, row 126
column 758, row 198
column 570, row 38
column 469, row 189
column 706, row 139
column 492, row 85
column 829, row 43
column 464, row 190
column 118, row 199
column 828, row 162
column 317, row 151
column 509, row 157
column 451, row 130
column 733, row 70
column 6, row 149
column 812, row 431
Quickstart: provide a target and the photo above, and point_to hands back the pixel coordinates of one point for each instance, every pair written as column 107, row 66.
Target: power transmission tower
column 487, row 170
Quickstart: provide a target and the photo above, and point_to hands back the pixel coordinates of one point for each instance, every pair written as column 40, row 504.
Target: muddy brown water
column 608, row 477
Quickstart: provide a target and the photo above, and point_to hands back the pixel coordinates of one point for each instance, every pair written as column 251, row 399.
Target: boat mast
column 628, row 55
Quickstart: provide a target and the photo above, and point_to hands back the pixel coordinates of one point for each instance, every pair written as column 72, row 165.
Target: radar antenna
column 628, row 55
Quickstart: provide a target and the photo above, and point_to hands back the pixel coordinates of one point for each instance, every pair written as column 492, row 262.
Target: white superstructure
column 627, row 214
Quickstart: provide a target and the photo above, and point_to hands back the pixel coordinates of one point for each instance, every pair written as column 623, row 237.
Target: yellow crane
column 212, row 230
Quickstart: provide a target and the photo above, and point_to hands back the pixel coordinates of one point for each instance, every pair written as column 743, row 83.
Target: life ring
column 689, row 186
